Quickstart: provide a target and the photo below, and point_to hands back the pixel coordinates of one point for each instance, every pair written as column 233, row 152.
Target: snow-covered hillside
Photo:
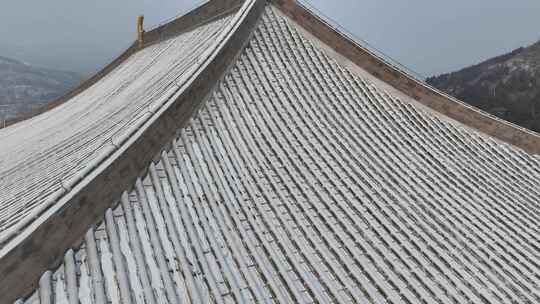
column 24, row 87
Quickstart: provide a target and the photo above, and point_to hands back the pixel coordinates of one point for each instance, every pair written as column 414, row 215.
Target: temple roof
column 248, row 158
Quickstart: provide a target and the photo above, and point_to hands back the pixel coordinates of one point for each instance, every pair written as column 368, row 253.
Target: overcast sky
column 429, row 36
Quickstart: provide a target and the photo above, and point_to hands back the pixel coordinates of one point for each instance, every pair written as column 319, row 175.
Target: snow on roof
column 297, row 181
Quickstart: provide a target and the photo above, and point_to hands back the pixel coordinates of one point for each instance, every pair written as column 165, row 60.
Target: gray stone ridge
column 299, row 181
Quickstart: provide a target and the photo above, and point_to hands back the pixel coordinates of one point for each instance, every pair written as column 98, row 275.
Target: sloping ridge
column 283, row 176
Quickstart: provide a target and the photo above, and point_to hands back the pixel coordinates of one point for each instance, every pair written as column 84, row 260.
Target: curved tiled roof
column 300, row 181
column 44, row 157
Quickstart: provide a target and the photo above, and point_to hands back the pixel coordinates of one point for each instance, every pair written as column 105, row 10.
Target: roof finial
column 140, row 31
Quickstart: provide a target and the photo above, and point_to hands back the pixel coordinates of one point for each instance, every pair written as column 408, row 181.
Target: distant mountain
column 23, row 87
column 507, row 86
